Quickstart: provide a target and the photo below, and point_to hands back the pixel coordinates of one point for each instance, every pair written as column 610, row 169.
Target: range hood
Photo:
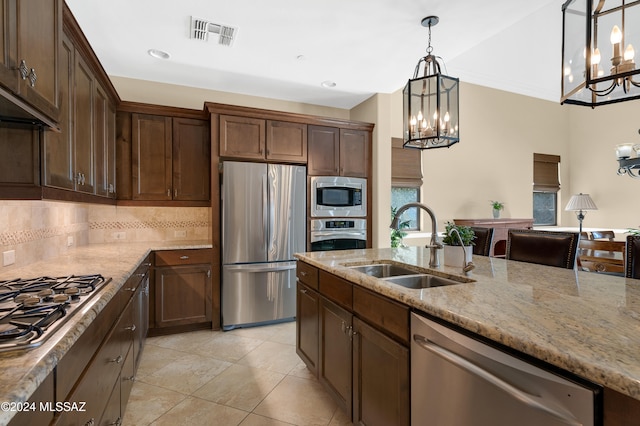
column 15, row 110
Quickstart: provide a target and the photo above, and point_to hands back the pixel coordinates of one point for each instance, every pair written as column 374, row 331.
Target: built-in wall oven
column 338, row 196
column 338, row 234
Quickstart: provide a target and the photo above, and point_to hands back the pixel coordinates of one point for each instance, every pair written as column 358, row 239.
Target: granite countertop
column 24, row 370
column 583, row 322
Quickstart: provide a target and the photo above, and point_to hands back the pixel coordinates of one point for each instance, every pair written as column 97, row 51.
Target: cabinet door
column 286, row 142
column 191, row 159
column 381, row 387
column 83, row 127
column 323, row 151
column 111, row 150
column 151, row 157
column 354, row 153
column 43, row 395
column 8, row 45
column 182, row 295
column 242, row 137
column 100, row 124
column 19, row 162
column 307, row 305
column 39, row 33
column 58, row 146
column 335, row 352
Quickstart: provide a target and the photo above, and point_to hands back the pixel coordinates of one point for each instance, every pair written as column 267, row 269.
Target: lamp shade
column 581, row 202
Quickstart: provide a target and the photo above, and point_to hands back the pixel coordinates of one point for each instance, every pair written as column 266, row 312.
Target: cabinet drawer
column 307, row 274
column 336, row 289
column 386, row 314
column 183, row 257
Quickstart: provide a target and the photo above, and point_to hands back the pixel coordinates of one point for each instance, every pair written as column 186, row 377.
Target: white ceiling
column 364, row 46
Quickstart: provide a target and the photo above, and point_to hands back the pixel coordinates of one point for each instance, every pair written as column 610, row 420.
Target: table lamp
column 579, row 203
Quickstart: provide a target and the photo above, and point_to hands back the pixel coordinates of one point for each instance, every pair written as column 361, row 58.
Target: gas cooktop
column 31, row 310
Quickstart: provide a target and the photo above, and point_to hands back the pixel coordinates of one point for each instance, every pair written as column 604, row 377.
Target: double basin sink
column 406, row 277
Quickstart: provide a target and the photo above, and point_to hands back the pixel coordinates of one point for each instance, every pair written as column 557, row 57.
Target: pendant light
column 598, row 39
column 431, row 103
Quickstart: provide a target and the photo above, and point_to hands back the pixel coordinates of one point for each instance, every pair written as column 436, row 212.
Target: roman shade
column 546, row 173
column 406, row 165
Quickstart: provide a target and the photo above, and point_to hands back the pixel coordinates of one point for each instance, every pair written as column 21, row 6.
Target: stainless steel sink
column 383, row 270
column 421, row 281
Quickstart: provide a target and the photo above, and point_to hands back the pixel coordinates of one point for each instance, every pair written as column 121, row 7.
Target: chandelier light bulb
column 629, row 53
column 616, row 35
column 595, row 57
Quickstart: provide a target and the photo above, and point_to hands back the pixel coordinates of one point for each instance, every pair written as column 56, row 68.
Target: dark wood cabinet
column 334, row 366
column 357, row 343
column 19, row 162
column 286, row 142
column 84, row 173
column 338, row 152
column 45, row 395
column 183, row 292
column 30, row 32
column 170, row 158
column 381, row 386
column 191, row 159
column 249, row 138
column 307, row 337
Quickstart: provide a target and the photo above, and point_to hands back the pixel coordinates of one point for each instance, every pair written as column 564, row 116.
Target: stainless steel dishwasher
column 457, row 380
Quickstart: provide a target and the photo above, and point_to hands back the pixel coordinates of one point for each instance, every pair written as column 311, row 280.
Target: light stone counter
column 24, row 370
column 585, row 323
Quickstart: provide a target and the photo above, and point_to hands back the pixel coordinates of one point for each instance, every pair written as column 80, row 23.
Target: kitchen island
column 24, row 370
column 584, row 323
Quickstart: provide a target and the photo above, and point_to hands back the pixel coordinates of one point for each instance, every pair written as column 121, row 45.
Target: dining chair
column 602, row 256
column 483, row 240
column 632, row 258
column 603, row 235
column 543, row 247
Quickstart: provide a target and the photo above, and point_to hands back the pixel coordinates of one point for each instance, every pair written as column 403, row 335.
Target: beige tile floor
column 248, row 377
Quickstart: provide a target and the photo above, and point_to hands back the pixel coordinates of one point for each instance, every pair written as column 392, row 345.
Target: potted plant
column 454, row 254
column 497, row 206
column 398, row 234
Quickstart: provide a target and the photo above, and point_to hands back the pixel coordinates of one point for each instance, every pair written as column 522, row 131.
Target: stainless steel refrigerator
column 263, row 224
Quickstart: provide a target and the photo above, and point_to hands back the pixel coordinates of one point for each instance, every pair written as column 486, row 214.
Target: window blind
column 546, row 173
column 406, row 165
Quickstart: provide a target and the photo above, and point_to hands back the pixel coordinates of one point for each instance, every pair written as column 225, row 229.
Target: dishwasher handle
column 526, row 398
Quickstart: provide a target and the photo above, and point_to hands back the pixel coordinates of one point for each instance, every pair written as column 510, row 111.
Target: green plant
column 466, row 234
column 397, row 234
column 633, row 231
column 497, row 205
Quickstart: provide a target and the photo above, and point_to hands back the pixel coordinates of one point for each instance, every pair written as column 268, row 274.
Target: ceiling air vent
column 200, row 30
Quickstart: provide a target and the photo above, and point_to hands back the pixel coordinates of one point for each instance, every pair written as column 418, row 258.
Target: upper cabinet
column 339, row 152
column 164, row 156
column 30, row 36
column 251, row 138
column 81, row 157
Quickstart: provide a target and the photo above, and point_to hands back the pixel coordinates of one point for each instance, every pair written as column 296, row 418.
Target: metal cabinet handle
column 131, row 289
column 24, row 70
column 91, row 422
column 303, row 290
column 175, row 193
column 169, row 192
column 130, row 378
column 117, row 360
column 185, row 257
column 118, row 422
column 33, row 77
column 132, row 328
column 303, row 273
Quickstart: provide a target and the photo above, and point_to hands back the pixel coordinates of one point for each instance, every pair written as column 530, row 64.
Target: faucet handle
column 437, row 245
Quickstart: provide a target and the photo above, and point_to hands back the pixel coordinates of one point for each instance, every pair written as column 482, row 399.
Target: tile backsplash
column 38, row 230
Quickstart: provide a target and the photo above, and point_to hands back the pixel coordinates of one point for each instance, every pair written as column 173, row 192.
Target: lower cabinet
column 100, row 368
column 183, row 290
column 356, row 342
column 43, row 395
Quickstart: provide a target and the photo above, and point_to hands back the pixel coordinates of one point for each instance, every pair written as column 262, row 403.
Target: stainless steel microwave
column 338, row 196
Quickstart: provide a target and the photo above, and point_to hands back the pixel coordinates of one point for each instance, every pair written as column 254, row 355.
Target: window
column 546, row 184
column 406, row 180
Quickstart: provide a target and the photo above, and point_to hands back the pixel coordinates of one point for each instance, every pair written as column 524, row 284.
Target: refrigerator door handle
column 265, row 206
column 259, row 268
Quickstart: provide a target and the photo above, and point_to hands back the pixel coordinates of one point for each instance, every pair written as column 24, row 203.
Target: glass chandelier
column 430, row 103
column 594, row 33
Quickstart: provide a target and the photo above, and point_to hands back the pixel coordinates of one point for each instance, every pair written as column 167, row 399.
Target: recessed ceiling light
column 158, row 54
column 328, row 83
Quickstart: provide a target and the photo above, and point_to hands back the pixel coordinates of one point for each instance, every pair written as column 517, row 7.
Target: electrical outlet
column 8, row 257
column 69, row 240
column 119, row 235
column 180, row 234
